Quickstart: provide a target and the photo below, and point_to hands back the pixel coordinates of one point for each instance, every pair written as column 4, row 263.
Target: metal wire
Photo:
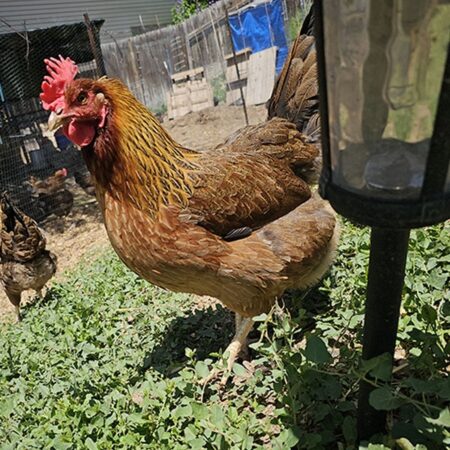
column 28, row 152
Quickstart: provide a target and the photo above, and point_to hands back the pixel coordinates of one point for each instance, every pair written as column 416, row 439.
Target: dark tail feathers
column 295, row 95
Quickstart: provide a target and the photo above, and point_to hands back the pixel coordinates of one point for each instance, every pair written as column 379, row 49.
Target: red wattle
column 80, row 133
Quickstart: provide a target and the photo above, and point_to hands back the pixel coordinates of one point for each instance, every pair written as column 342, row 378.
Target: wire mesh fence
column 38, row 168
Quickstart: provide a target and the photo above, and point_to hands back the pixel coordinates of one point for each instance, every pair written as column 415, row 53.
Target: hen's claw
column 238, row 343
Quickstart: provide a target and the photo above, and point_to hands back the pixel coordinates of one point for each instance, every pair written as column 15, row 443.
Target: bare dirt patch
column 82, row 233
column 206, row 129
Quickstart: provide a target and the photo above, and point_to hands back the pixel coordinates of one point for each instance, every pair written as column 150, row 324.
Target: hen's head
column 79, row 106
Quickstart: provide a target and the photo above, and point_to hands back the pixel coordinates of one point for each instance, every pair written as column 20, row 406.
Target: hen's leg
column 237, row 322
column 14, row 298
column 18, row 316
column 243, row 352
column 239, row 341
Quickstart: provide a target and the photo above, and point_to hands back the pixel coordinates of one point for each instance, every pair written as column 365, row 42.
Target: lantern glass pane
column 384, row 67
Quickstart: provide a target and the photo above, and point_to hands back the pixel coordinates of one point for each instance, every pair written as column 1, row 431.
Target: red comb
column 60, row 72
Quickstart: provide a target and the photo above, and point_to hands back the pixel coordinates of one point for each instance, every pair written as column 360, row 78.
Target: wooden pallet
column 190, row 92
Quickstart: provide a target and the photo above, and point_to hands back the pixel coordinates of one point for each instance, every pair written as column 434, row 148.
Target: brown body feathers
column 168, row 210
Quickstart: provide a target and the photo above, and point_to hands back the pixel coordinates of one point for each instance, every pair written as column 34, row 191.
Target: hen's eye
column 82, row 98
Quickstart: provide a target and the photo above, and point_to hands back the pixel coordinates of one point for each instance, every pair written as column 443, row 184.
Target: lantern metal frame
column 431, row 207
column 391, row 222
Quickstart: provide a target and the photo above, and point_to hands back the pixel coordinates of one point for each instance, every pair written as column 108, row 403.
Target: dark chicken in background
column 51, row 194
column 24, row 261
column 239, row 223
column 84, row 179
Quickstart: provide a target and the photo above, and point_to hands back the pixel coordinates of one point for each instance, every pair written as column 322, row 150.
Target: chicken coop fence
column 30, row 155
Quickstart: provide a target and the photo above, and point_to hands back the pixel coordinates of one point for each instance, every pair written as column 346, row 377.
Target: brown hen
column 238, row 223
column 24, row 261
column 49, row 185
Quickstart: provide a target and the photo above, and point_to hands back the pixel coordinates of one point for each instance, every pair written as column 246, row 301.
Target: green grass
column 295, row 22
column 108, row 361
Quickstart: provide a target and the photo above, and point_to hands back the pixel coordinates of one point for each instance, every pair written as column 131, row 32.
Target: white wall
column 119, row 15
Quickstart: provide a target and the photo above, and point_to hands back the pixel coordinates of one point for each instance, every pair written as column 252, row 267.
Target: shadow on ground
column 205, row 331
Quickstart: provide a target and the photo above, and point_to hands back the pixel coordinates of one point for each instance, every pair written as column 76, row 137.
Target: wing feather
column 251, row 180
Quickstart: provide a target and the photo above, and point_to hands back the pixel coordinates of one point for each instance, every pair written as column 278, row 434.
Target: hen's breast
column 163, row 250
column 185, row 257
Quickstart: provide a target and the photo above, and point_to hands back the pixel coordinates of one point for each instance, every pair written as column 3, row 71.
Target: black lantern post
column 384, row 77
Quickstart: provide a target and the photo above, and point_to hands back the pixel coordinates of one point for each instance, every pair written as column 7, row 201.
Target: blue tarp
column 260, row 26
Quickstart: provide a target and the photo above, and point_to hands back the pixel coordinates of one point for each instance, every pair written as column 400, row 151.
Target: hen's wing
column 20, row 237
column 251, row 180
column 295, row 95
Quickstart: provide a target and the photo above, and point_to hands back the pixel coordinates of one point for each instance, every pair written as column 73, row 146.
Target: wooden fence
column 147, row 61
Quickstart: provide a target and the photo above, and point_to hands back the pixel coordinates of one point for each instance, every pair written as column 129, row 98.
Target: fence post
column 244, row 106
column 95, row 46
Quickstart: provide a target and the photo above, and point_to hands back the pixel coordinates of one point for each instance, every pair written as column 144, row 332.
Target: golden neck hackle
column 134, row 158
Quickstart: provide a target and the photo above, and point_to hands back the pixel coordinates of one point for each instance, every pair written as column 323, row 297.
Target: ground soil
column 81, row 234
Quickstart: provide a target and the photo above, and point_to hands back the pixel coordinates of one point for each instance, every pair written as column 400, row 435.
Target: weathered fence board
column 261, row 76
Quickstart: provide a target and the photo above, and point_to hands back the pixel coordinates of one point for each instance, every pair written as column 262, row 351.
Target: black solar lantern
column 384, row 77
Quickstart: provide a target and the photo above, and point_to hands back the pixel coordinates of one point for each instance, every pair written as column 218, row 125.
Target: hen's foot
column 237, row 345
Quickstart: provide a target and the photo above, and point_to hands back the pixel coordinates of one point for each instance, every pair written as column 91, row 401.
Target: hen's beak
column 56, row 121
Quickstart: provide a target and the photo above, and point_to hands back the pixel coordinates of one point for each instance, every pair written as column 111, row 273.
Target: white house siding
column 119, row 15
